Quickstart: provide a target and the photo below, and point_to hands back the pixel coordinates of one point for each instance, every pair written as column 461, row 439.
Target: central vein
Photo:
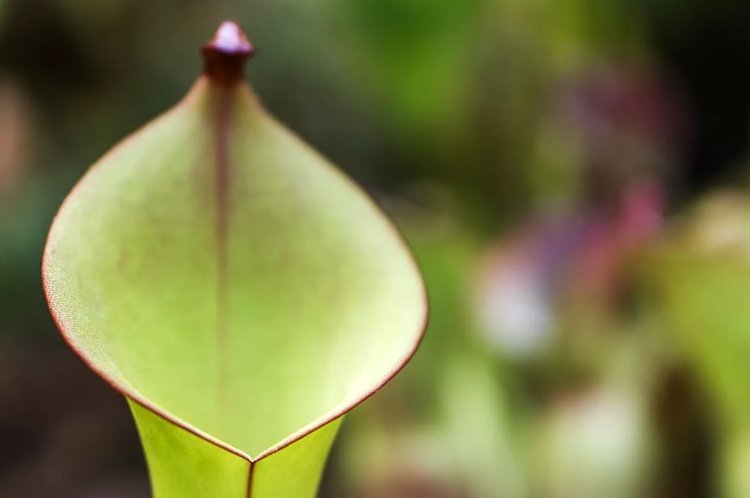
column 223, row 116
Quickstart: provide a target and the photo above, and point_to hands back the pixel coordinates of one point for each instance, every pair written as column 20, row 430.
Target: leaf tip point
column 230, row 39
column 226, row 54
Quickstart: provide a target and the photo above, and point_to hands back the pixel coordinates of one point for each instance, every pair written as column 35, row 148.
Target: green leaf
column 240, row 291
column 700, row 279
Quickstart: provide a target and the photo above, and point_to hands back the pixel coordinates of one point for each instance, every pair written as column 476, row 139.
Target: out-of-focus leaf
column 240, row 291
column 594, row 444
column 700, row 277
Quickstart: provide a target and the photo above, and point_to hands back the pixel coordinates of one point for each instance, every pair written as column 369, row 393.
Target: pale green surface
column 183, row 465
column 295, row 471
column 323, row 302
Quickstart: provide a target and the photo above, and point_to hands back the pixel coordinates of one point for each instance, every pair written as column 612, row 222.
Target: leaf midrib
column 221, row 125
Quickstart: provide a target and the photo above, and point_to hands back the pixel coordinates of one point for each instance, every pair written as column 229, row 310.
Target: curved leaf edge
column 131, row 393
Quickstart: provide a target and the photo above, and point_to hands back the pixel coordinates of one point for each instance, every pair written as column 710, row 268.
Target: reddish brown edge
column 132, row 394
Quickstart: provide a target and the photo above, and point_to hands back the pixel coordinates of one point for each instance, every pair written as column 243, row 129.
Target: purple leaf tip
column 230, row 39
column 224, row 57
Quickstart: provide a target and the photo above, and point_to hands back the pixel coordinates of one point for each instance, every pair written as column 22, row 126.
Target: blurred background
column 572, row 175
